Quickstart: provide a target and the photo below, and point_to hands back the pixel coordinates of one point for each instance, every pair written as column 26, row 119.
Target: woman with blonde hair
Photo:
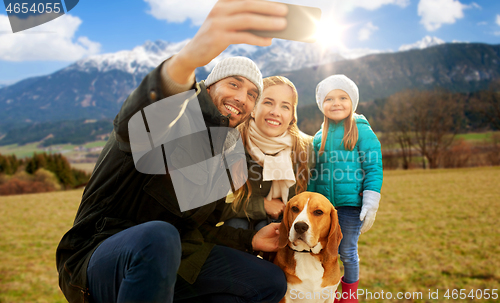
column 278, row 158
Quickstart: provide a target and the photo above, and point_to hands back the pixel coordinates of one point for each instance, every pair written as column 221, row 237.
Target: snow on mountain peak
column 141, row 59
column 426, row 42
column 282, row 55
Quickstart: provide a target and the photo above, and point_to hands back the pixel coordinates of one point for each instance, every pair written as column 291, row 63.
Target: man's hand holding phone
column 301, row 26
column 228, row 23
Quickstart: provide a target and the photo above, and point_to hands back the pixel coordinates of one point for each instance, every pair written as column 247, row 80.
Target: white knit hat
column 337, row 82
column 236, row 66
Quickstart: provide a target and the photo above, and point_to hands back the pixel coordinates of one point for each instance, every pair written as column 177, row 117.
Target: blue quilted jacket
column 341, row 175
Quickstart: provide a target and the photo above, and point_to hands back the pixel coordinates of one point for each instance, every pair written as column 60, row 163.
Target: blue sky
column 97, row 27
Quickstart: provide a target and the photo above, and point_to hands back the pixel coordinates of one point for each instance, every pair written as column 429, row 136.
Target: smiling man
column 130, row 242
column 234, row 85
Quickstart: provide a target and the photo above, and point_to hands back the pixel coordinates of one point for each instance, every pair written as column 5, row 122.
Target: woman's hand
column 267, row 238
column 274, row 207
column 226, row 24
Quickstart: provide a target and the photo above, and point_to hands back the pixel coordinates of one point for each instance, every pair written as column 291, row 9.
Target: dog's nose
column 301, row 227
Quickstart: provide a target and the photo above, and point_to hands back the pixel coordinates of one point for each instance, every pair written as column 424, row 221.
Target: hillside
column 95, row 88
column 458, row 67
column 60, row 132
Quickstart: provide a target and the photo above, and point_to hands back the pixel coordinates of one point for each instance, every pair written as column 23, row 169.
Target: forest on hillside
column 421, row 128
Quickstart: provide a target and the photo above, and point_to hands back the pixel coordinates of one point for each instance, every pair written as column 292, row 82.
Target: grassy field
column 435, row 230
column 27, row 150
column 87, row 167
column 477, row 137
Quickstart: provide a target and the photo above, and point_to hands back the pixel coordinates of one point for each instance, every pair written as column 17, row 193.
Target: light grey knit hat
column 337, row 82
column 236, row 66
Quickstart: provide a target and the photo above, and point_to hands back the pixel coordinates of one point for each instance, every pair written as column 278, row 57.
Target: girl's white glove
column 369, row 209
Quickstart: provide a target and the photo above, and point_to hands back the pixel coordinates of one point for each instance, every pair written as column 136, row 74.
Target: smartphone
column 301, row 24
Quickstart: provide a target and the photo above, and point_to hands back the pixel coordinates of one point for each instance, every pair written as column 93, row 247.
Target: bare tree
column 427, row 120
column 397, row 124
column 436, row 118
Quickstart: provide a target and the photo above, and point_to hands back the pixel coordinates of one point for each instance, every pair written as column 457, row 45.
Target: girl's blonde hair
column 299, row 147
column 350, row 133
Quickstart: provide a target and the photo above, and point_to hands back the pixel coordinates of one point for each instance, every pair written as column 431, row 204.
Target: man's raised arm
column 226, row 24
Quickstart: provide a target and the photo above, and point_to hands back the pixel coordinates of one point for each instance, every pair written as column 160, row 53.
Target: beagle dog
column 309, row 237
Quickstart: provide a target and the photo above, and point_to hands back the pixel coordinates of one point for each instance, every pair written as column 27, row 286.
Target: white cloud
column 497, row 21
column 54, row 40
column 435, row 13
column 366, row 31
column 197, row 10
column 426, row 42
column 375, row 4
column 482, row 23
column 475, row 5
column 180, row 10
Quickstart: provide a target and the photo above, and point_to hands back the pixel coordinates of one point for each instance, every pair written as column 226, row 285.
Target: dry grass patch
column 32, row 226
column 434, row 230
column 86, row 167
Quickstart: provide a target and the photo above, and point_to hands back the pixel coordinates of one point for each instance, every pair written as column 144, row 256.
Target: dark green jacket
column 118, row 197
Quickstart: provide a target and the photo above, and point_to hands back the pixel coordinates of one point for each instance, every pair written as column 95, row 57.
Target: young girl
column 348, row 170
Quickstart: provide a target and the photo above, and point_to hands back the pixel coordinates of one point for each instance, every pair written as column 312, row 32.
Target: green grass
column 477, row 137
column 95, row 144
column 20, row 151
column 435, row 229
column 28, row 149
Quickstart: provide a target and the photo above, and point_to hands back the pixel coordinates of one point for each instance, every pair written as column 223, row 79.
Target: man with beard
column 130, row 242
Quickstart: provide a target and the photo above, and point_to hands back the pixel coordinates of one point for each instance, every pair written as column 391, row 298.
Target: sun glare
column 329, row 33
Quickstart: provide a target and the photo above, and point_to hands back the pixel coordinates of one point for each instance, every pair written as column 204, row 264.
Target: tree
column 9, row 164
column 428, row 120
column 397, row 123
column 487, row 103
column 436, row 117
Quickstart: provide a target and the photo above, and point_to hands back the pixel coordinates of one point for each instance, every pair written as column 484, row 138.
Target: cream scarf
column 274, row 155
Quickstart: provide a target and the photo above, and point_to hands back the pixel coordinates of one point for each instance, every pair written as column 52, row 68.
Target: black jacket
column 118, row 197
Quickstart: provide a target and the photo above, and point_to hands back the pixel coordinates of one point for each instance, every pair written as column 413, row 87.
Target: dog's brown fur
column 325, row 229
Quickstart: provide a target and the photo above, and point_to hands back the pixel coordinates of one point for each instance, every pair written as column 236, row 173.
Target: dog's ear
column 335, row 234
column 284, row 227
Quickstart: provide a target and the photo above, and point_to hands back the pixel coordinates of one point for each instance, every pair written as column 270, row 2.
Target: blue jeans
column 244, row 223
column 348, row 249
column 140, row 264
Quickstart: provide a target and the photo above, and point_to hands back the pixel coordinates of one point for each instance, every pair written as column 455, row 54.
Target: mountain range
column 95, row 87
column 457, row 67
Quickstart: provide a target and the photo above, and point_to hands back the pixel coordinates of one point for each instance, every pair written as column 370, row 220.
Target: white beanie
column 236, row 66
column 337, row 82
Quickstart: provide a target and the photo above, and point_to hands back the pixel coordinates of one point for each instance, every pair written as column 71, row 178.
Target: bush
column 59, row 165
column 23, row 183
column 493, row 154
column 390, row 159
column 457, row 155
column 47, row 177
